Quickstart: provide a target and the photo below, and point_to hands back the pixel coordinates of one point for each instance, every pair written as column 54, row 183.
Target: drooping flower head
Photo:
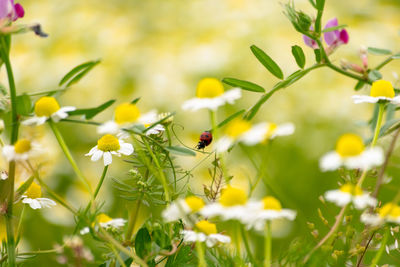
column 350, row 193
column 205, row 232
column 109, row 145
column 46, row 108
column 381, row 91
column 33, row 197
column 210, row 94
column 10, row 10
column 182, row 207
column 350, row 152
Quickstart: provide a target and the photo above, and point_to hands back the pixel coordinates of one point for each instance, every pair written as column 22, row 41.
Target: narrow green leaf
column 21, row 190
column 231, row 117
column 134, row 101
column 78, row 72
column 159, row 121
column 374, row 75
column 312, row 2
column 378, row 51
column 143, row 243
column 299, row 56
column 334, row 28
column 181, row 151
column 24, row 104
column 245, row 85
column 268, row 63
column 396, row 56
column 89, row 113
column 359, row 85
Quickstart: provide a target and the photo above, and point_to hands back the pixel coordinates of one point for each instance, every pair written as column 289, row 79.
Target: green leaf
column 334, row 28
column 24, row 104
column 320, row 4
column 359, row 85
column 267, row 62
column 231, row 117
column 158, row 122
column 89, row 113
column 374, row 75
column 184, row 257
column 378, row 51
column 312, row 2
column 245, row 85
column 299, row 56
column 134, row 101
column 143, row 243
column 78, row 73
column 396, row 56
column 22, row 189
column 182, row 151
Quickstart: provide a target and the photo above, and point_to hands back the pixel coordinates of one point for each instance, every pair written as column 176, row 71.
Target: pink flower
column 10, row 10
column 335, row 37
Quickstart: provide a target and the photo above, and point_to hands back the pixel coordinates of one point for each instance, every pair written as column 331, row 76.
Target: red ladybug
column 205, row 140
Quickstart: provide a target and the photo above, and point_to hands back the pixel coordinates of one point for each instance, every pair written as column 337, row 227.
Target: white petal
column 46, row 202
column 338, row 197
column 67, row 108
column 177, row 210
column 371, row 219
column 371, row 157
column 149, row 117
column 364, row 99
column 284, row 129
column 126, row 148
column 255, row 134
column 223, row 144
column 107, row 158
column 330, row 161
column 35, row 121
column 9, row 152
column 94, row 149
column 232, row 95
column 84, row 231
column 363, row 201
column 97, row 155
column 33, row 203
column 201, row 103
column 396, row 100
column 110, row 127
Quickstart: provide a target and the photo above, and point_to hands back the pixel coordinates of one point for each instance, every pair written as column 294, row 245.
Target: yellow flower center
column 237, row 127
column 22, row 146
column 34, row 191
column 349, row 145
column 206, row 227
column 271, row 130
column 231, row 196
column 209, row 88
column 126, row 113
column 103, row 218
column 271, row 203
column 194, row 203
column 354, row 190
column 382, row 88
column 108, row 143
column 389, row 209
column 46, row 106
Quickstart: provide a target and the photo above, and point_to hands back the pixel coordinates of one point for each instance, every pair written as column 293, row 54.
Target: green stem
column 68, row 154
column 348, row 74
column 378, row 255
column 215, row 133
column 9, row 217
column 378, row 124
column 21, row 218
column 200, row 255
column 119, row 259
column 246, row 244
column 267, row 245
column 103, row 175
column 132, row 220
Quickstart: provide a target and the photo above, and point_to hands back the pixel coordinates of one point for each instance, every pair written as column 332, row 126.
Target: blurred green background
column 158, row 50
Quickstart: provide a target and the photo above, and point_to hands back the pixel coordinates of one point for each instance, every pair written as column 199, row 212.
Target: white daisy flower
column 109, row 145
column 180, row 208
column 381, row 91
column 268, row 209
column 47, row 107
column 207, row 233
column 239, row 130
column 231, row 205
column 126, row 115
column 22, row 150
column 33, row 197
column 351, row 153
column 390, row 212
column 210, row 94
column 156, row 129
column 106, row 222
column 350, row 193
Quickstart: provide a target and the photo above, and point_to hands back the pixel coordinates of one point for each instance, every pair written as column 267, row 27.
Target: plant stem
column 378, row 255
column 267, row 245
column 348, row 74
column 103, row 175
column 9, row 217
column 246, row 244
column 132, row 220
column 378, row 124
column 215, row 133
column 200, row 255
column 119, row 259
column 68, row 154
column 21, row 218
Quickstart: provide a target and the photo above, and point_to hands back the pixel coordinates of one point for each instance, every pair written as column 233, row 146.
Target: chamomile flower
column 182, row 207
column 156, row 129
column 33, row 197
column 350, row 193
column 350, row 152
column 381, row 91
column 210, row 94
column 22, row 150
column 243, row 131
column 390, row 212
column 106, row 222
column 268, row 209
column 231, row 205
column 125, row 115
column 47, row 108
column 107, row 146
column 205, row 232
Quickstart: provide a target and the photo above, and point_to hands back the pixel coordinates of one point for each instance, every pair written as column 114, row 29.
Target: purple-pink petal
column 310, row 42
column 19, row 11
column 344, row 36
column 10, row 10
